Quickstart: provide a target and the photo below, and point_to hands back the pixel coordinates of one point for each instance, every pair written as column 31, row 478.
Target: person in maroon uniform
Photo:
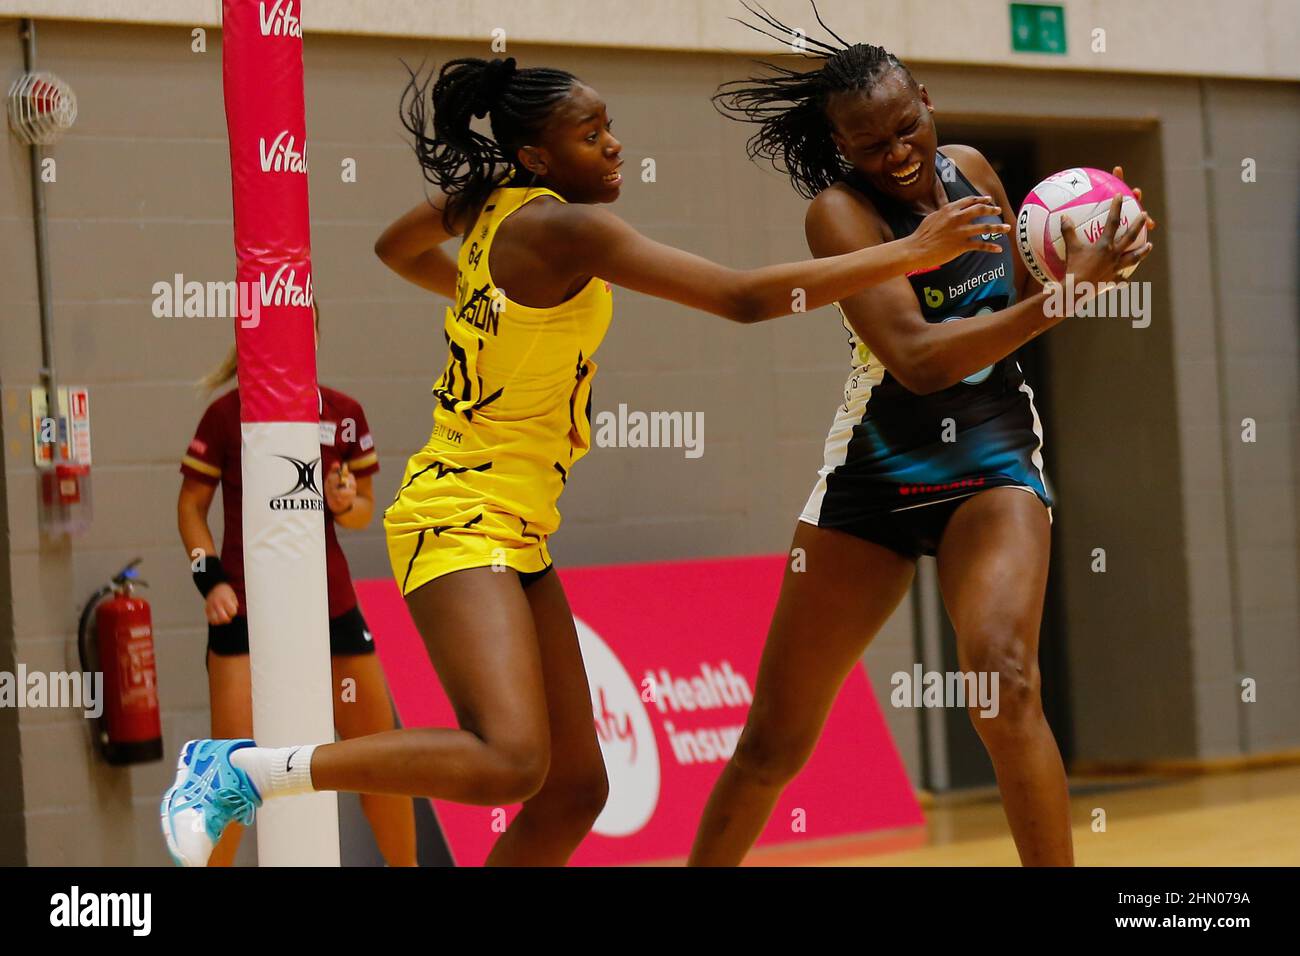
column 348, row 461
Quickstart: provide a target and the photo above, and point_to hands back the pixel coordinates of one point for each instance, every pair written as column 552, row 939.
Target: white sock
column 277, row 771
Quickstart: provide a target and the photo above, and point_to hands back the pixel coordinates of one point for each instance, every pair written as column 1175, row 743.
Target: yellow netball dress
column 512, row 416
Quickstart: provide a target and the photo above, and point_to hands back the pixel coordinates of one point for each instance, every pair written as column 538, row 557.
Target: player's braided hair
column 794, row 134
column 463, row 163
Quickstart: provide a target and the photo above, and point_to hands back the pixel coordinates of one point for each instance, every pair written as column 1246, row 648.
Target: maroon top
column 214, row 457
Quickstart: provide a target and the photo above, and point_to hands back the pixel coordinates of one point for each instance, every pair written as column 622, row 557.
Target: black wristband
column 210, row 576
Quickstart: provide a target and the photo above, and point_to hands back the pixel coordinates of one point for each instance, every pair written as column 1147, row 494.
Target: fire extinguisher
column 130, row 730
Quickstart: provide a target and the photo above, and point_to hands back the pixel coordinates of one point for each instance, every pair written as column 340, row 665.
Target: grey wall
column 13, row 837
column 1255, row 364
column 144, row 192
column 1156, row 36
column 17, row 293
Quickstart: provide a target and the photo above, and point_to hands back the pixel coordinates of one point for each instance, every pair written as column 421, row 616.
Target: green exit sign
column 1037, row 28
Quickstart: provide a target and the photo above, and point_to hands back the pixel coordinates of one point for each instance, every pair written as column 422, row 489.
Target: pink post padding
column 284, row 513
column 262, row 78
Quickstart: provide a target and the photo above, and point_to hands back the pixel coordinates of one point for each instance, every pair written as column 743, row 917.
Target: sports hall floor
column 1238, row 818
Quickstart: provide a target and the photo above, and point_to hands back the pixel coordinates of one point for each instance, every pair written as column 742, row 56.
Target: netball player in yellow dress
column 468, row 531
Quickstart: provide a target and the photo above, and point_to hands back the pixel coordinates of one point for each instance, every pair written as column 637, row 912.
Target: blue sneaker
column 208, row 795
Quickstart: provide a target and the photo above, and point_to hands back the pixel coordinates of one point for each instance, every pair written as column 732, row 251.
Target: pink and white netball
column 1085, row 194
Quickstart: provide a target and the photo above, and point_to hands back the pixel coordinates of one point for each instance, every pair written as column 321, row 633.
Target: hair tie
column 493, row 82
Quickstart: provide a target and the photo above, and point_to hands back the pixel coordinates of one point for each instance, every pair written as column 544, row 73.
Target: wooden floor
column 1246, row 818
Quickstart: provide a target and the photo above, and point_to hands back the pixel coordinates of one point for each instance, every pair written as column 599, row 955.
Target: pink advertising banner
column 672, row 652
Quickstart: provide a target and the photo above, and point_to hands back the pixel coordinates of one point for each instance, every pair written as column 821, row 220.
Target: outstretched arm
column 589, row 240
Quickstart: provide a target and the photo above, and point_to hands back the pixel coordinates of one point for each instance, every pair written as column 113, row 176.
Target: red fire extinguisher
column 130, row 730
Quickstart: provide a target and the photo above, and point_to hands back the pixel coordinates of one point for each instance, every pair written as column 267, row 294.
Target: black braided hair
column 794, row 133
column 463, row 163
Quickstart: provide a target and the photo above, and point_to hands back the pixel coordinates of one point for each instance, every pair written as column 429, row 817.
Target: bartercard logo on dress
column 279, row 156
column 304, row 495
column 974, row 282
column 279, row 19
column 627, row 739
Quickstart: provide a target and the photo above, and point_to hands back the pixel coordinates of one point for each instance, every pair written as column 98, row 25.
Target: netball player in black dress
column 935, row 449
